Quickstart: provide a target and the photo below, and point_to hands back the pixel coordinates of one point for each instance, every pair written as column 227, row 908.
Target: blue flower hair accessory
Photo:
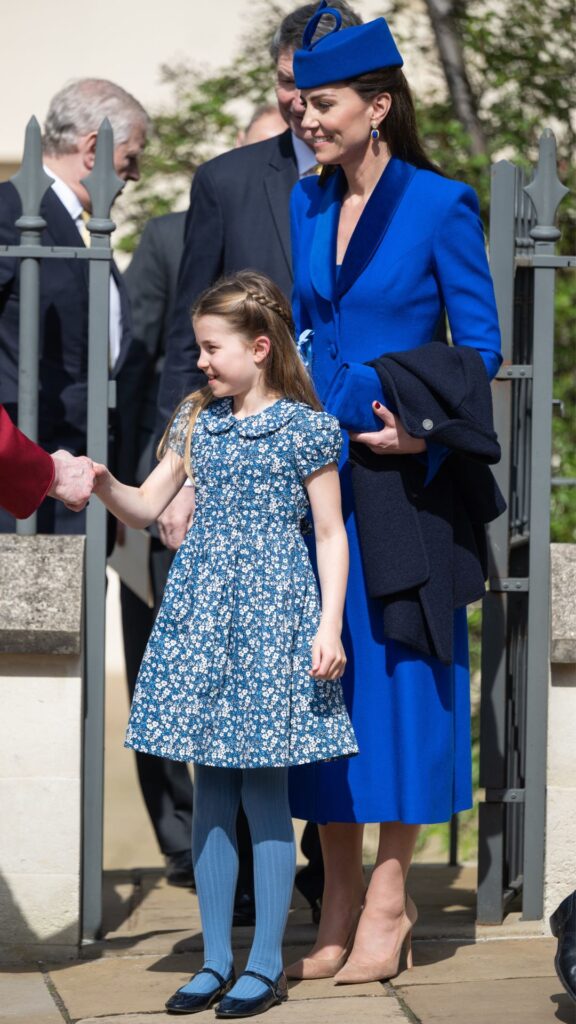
column 304, row 346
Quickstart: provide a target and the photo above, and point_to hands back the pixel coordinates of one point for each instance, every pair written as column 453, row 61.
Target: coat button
column 427, row 424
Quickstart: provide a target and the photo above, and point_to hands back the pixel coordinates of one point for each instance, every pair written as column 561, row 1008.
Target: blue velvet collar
column 367, row 236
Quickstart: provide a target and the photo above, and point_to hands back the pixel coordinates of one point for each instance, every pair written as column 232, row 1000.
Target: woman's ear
column 381, row 106
column 261, row 348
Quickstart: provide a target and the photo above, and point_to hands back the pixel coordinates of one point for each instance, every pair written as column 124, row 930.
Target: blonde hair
column 252, row 305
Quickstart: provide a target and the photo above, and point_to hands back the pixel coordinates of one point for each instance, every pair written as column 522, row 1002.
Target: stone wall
column 40, row 745
column 560, row 866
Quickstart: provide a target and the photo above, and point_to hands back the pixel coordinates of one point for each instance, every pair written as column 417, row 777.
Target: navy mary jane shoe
column 276, row 993
column 195, row 1002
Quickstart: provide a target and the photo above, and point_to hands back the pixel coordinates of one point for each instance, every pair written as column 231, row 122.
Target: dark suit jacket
column 238, row 219
column 26, row 470
column 423, row 544
column 151, row 281
column 63, row 333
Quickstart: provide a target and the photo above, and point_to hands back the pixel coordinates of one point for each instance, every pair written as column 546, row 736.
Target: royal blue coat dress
column 417, row 250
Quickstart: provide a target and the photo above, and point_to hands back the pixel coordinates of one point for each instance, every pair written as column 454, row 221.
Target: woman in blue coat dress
column 384, row 246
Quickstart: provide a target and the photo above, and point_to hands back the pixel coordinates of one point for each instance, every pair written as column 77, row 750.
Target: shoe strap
column 208, row 970
column 272, row 985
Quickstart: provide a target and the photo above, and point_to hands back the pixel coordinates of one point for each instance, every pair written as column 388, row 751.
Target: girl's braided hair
column 253, row 306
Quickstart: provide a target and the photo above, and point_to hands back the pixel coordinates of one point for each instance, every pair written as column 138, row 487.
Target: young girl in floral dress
column 241, row 675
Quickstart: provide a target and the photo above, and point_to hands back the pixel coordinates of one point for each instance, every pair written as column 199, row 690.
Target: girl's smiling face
column 231, row 361
column 337, row 122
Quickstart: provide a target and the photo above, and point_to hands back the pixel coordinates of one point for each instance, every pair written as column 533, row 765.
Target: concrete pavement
column 152, row 940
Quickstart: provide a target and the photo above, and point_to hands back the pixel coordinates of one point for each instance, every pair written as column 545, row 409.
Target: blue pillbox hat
column 344, row 52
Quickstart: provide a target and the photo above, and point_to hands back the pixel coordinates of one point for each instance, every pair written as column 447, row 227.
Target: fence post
column 31, row 182
column 546, row 192
column 493, row 707
column 103, row 185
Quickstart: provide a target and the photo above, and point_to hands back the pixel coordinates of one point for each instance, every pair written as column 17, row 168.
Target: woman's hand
column 392, row 439
column 328, row 658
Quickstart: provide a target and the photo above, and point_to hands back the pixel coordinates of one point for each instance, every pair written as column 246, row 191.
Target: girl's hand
column 101, row 473
column 328, row 658
column 392, row 439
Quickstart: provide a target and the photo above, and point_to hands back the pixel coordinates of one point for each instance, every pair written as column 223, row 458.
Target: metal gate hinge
column 514, row 584
column 516, row 371
column 504, row 796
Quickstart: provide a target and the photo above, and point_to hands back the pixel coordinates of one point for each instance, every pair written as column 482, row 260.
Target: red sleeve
column 26, row 470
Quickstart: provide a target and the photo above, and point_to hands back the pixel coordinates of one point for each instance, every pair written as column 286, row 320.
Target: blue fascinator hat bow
column 343, row 52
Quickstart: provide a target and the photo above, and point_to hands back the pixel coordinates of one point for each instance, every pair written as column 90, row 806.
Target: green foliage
column 206, row 111
column 521, row 77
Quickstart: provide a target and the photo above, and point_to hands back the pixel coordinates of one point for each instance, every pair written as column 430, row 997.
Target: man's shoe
column 244, row 911
column 195, row 1002
column 179, row 870
column 276, row 993
column 563, row 925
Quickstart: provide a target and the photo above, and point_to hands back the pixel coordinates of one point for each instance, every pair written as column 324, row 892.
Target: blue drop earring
column 375, row 133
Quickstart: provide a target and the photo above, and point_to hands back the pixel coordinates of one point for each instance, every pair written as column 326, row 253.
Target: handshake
column 74, row 479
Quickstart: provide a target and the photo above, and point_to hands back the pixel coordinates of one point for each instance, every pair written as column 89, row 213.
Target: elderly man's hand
column 73, row 480
column 176, row 518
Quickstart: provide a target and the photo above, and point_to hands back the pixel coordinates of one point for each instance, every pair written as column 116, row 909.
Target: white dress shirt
column 74, row 207
column 305, row 157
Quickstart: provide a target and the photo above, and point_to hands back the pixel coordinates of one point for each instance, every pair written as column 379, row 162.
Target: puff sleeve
column 318, row 442
column 179, row 429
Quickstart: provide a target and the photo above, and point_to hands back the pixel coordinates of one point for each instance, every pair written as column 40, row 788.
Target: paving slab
column 516, row 1001
column 25, row 999
column 454, row 962
column 361, row 1009
column 141, row 984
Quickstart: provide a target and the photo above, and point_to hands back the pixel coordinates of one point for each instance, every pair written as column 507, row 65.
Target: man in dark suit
column 69, row 144
column 239, row 218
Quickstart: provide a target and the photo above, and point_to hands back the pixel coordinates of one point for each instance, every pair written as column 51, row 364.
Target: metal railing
column 516, row 626
column 103, row 186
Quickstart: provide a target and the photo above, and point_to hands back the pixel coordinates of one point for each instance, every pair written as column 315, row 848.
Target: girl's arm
column 323, row 487
column 140, row 506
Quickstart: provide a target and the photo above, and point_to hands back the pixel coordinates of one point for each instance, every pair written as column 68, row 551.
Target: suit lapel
column 280, row 176
column 61, row 230
column 374, row 222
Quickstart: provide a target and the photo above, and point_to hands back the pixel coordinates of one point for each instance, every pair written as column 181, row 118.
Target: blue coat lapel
column 374, row 222
column 323, row 248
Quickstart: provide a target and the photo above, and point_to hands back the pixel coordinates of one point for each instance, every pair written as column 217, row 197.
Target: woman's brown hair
column 399, row 129
column 252, row 305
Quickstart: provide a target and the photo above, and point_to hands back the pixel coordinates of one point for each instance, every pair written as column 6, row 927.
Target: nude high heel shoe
column 356, row 972
column 312, row 968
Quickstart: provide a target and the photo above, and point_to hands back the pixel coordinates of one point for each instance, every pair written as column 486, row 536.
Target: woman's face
column 337, row 123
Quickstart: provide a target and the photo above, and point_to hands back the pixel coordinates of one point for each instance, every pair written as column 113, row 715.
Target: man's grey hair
column 79, row 109
column 288, row 35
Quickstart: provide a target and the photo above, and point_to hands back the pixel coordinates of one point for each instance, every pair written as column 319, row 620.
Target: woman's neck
column 362, row 175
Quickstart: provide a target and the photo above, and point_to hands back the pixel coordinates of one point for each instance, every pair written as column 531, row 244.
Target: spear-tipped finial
column 31, row 181
column 546, row 191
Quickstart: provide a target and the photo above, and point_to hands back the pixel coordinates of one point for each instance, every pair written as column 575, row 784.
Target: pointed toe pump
column 357, row 972
column 313, row 968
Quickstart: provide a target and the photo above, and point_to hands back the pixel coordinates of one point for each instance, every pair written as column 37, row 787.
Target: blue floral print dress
column 225, row 677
